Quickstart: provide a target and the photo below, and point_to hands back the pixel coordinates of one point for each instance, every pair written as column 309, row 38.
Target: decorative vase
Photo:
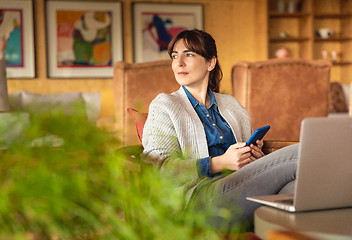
column 291, row 6
column 280, row 6
column 282, row 52
column 4, row 98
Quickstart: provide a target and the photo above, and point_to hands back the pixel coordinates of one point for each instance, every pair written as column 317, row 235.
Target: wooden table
column 323, row 224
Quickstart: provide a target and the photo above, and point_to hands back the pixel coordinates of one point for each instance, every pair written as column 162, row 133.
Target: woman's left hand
column 257, row 150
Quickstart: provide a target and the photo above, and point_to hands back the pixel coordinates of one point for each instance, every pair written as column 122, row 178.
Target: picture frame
column 155, row 24
column 84, row 38
column 17, row 38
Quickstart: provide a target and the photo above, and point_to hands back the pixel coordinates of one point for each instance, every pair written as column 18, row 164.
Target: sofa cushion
column 34, row 103
column 139, row 121
column 92, row 103
column 12, row 127
column 68, row 103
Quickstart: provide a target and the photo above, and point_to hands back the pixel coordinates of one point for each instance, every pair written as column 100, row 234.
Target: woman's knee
column 289, row 188
column 286, row 154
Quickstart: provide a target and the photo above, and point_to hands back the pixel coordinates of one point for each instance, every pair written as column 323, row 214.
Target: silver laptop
column 324, row 171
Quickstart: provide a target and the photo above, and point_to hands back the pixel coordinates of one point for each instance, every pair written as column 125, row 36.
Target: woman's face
column 190, row 69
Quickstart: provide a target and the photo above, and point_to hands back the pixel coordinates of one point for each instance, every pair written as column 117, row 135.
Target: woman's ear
column 212, row 63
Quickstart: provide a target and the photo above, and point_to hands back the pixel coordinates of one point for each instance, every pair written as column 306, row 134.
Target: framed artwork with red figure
column 155, row 24
column 84, row 38
column 17, row 38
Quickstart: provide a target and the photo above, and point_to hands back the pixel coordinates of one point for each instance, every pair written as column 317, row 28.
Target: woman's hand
column 235, row 157
column 257, row 150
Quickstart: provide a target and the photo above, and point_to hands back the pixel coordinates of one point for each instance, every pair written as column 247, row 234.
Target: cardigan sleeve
column 161, row 141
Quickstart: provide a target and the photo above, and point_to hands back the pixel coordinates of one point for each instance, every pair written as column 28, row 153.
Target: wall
column 238, row 26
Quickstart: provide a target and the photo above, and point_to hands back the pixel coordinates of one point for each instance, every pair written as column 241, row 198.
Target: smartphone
column 258, row 135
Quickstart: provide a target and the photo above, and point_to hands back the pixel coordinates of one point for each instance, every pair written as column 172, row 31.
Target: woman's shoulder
column 226, row 98
column 166, row 100
column 226, row 101
column 164, row 97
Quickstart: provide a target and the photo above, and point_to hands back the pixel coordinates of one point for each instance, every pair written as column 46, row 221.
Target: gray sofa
column 34, row 103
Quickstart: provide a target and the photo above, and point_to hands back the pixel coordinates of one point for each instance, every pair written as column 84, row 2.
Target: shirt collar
column 194, row 101
column 212, row 99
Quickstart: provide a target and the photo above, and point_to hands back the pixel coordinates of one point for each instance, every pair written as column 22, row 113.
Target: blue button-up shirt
column 218, row 132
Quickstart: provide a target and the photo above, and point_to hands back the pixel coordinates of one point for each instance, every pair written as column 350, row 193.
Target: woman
column 209, row 131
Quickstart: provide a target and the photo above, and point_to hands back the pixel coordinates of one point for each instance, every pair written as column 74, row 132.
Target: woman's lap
column 266, row 176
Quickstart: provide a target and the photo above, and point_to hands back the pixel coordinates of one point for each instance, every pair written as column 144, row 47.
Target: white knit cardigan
column 174, row 135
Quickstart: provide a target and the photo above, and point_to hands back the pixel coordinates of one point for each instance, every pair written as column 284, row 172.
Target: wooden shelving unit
column 301, row 26
column 297, row 25
column 336, row 15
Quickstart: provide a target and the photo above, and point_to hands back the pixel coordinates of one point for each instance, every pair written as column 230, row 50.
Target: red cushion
column 139, row 121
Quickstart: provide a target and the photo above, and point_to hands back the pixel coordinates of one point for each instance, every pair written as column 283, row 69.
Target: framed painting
column 84, row 38
column 17, row 38
column 155, row 24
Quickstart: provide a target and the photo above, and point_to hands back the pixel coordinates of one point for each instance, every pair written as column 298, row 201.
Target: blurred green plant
column 61, row 178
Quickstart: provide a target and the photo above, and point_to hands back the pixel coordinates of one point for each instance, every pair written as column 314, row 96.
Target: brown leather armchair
column 135, row 86
column 282, row 92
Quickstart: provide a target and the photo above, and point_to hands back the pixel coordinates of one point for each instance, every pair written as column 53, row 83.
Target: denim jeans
column 274, row 173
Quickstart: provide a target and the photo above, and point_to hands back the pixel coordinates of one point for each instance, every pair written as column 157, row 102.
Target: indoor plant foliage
column 61, row 179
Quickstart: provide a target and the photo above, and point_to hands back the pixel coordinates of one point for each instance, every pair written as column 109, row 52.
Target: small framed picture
column 84, row 38
column 155, row 24
column 17, row 38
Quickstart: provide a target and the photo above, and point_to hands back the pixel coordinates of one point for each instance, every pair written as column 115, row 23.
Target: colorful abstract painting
column 160, row 28
column 11, row 36
column 83, row 38
column 17, row 38
column 155, row 24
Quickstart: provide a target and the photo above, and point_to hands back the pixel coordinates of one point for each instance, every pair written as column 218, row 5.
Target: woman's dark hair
column 203, row 44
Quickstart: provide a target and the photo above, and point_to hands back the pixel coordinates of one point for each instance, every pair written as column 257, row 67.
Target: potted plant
column 61, row 179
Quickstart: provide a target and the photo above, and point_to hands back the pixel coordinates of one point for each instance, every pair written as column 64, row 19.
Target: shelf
column 288, row 15
column 333, row 15
column 289, row 39
column 333, row 39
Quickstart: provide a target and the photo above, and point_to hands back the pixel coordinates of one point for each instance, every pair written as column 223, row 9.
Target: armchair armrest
column 271, row 146
column 130, row 155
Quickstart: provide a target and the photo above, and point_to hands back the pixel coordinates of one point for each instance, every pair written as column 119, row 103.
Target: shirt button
column 214, row 124
column 221, row 137
column 208, row 115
